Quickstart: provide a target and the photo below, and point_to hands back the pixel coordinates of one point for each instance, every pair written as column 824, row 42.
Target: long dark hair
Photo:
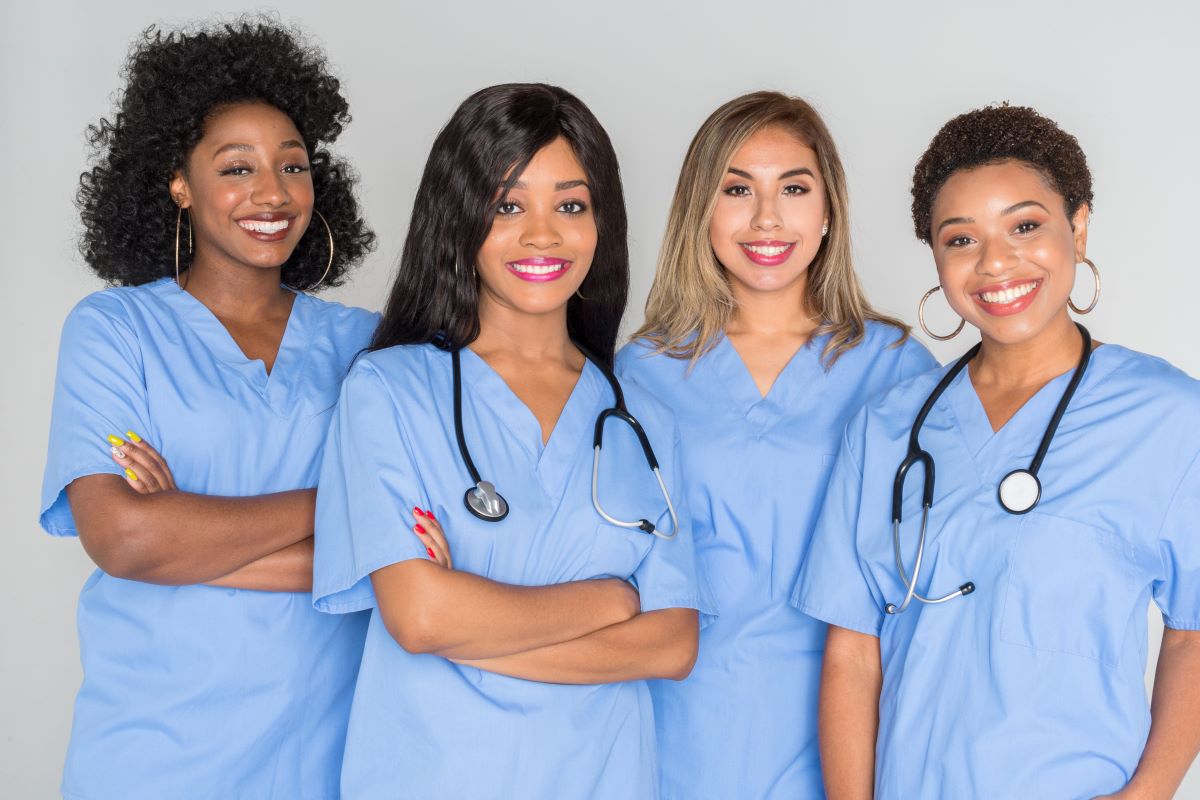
column 497, row 131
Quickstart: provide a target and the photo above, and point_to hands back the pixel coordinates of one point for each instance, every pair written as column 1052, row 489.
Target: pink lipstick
column 539, row 269
column 768, row 253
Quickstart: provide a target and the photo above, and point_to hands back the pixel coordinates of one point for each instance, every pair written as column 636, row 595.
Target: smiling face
column 247, row 188
column 1006, row 250
column 766, row 226
column 543, row 237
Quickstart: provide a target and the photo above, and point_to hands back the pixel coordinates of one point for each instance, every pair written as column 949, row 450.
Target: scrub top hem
column 1181, row 625
column 48, row 518
column 357, row 599
column 829, row 618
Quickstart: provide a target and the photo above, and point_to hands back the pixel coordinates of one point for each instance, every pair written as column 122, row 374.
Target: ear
column 181, row 193
column 1080, row 223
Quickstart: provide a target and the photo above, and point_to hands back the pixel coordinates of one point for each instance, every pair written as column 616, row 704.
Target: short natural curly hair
column 174, row 82
column 994, row 134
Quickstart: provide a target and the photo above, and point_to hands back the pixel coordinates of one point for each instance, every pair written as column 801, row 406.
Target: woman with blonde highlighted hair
column 759, row 336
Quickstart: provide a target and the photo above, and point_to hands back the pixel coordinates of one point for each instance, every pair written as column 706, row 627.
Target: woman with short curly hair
column 988, row 629
column 189, row 415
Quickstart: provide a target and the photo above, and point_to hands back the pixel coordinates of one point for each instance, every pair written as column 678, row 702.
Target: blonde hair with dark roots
column 691, row 302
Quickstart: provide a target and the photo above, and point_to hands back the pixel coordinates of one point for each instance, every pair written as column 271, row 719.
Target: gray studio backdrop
column 1123, row 77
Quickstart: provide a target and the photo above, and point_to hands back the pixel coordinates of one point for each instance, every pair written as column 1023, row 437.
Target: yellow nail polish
column 130, row 474
column 133, row 437
column 115, row 441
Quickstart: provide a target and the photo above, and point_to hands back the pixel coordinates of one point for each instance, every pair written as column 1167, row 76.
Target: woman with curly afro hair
column 988, row 637
column 189, row 415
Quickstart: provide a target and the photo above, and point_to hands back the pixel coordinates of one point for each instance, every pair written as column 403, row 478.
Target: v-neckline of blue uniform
column 552, row 460
column 797, row 384
column 275, row 386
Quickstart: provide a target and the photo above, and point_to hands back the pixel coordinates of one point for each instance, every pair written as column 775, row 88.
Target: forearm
column 286, row 570
column 657, row 644
column 177, row 538
column 1175, row 719
column 430, row 609
column 851, row 680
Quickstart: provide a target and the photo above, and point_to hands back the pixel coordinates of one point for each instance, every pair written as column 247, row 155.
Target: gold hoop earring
column 329, row 263
column 921, row 318
column 1095, row 295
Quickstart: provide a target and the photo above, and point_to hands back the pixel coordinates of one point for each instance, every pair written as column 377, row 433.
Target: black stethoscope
column 487, row 504
column 1019, row 491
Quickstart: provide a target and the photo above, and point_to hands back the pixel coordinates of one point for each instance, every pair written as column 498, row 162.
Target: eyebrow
column 561, row 186
column 286, row 144
column 1010, row 210
column 791, row 173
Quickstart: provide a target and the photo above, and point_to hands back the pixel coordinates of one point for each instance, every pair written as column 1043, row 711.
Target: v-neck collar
column 1023, row 431
column 798, row 383
column 293, row 347
column 572, row 431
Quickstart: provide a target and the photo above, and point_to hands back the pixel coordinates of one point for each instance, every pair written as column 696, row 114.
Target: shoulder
column 889, row 342
column 398, row 366
column 639, row 355
column 1145, row 381
column 348, row 322
column 119, row 311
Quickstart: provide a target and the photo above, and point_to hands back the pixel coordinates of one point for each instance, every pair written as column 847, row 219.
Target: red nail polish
column 431, row 516
column 419, row 529
column 430, row 551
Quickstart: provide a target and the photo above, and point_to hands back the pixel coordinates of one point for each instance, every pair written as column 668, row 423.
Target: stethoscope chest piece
column 1020, row 491
column 485, row 502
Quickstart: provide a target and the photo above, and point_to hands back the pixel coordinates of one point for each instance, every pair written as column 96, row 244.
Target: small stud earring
column 825, row 229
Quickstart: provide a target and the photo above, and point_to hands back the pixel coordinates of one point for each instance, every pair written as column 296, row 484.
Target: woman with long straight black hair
column 512, row 626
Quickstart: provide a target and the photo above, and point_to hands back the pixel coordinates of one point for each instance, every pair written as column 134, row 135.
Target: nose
column 996, row 257
column 766, row 214
column 541, row 229
column 269, row 189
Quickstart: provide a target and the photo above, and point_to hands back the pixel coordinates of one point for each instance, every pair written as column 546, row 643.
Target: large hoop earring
column 1095, row 295
column 178, row 229
column 921, row 318
column 329, row 263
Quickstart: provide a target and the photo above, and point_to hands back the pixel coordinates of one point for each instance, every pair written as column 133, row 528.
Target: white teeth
column 535, row 269
column 262, row 226
column 766, row 251
column 1006, row 296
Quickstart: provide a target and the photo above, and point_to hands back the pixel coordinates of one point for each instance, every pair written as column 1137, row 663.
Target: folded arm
column 656, row 644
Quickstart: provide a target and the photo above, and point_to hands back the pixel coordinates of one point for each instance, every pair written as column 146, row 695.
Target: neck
column 781, row 312
column 1033, row 362
column 236, row 291
column 506, row 333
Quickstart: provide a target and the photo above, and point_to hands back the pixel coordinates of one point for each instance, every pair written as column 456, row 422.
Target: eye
column 237, row 170
column 795, row 189
column 1028, row 226
column 959, row 241
column 507, row 207
column 572, row 207
column 295, row 169
column 737, row 190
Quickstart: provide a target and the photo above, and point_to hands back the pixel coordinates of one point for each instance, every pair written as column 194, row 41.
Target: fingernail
column 418, row 512
column 419, row 529
column 115, row 441
column 431, row 516
column 130, row 474
column 133, row 437
column 118, row 452
column 430, row 551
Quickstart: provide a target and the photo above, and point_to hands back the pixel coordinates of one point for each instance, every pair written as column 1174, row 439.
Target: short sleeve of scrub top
column 1177, row 591
column 198, row 691
column 100, row 393
column 823, row 590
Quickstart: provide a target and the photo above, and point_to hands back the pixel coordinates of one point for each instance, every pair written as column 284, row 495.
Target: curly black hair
column 175, row 81
column 994, row 134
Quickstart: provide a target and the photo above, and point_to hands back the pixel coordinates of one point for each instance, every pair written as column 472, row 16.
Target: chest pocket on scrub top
column 1071, row 589
column 617, row 552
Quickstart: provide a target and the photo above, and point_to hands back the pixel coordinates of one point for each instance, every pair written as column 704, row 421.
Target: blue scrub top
column 1033, row 685
column 197, row 691
column 421, row 725
column 744, row 724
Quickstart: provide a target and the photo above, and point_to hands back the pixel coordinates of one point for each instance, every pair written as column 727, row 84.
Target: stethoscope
column 487, row 504
column 1019, row 490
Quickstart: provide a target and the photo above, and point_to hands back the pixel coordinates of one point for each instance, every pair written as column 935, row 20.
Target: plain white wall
column 1122, row 77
